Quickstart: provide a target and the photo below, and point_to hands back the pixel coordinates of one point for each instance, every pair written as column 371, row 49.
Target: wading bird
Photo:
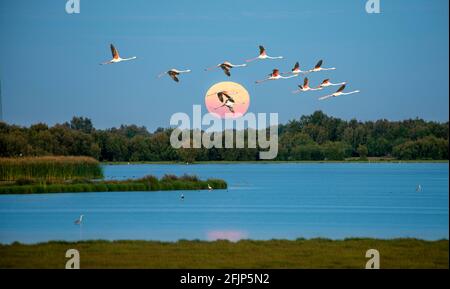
column 304, row 87
column 339, row 92
column 173, row 73
column 116, row 57
column 296, row 70
column 319, row 67
column 210, row 188
column 327, row 83
column 263, row 55
column 275, row 75
column 226, row 67
column 79, row 220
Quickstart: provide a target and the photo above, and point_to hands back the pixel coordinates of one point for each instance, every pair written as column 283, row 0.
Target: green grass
column 314, row 253
column 148, row 183
column 49, row 168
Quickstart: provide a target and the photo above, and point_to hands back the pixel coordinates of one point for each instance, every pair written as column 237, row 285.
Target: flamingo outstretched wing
column 114, row 52
column 341, row 88
column 262, row 50
column 319, row 64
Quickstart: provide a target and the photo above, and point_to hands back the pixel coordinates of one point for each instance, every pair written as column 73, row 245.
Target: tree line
column 311, row 137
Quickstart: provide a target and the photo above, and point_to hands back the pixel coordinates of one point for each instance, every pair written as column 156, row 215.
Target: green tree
column 362, row 152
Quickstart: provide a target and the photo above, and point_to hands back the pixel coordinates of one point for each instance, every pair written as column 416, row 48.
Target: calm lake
column 264, row 201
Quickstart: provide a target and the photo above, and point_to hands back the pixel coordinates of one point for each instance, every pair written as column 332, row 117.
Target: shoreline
column 248, row 254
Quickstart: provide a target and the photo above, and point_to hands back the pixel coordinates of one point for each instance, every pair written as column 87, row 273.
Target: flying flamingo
column 173, row 73
column 116, row 57
column 263, row 55
column 275, row 75
column 296, row 70
column 319, row 67
column 226, row 67
column 221, row 94
column 327, row 83
column 304, row 87
column 229, row 103
column 226, row 100
column 339, row 92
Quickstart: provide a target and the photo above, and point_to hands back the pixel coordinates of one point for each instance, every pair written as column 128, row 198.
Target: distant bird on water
column 116, row 57
column 210, row 188
column 79, row 220
column 419, row 188
column 263, row 55
column 275, row 75
column 182, row 197
column 173, row 73
column 339, row 92
column 226, row 67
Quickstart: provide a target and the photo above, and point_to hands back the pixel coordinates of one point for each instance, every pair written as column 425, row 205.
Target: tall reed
column 49, row 168
column 147, row 183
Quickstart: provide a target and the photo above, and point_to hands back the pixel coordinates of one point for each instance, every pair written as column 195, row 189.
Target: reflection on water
column 264, row 201
column 226, row 235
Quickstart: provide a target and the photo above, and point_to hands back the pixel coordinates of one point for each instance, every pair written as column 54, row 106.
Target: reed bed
column 148, row 183
column 49, row 168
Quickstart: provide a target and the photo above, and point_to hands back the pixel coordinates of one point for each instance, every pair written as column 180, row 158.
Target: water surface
column 264, row 201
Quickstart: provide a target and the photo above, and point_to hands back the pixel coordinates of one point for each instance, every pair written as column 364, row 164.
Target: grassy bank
column 148, row 183
column 315, row 253
column 49, row 168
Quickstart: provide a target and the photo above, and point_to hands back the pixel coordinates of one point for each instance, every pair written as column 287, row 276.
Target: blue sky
column 49, row 59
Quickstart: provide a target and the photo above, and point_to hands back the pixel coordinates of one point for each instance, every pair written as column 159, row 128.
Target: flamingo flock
column 226, row 66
